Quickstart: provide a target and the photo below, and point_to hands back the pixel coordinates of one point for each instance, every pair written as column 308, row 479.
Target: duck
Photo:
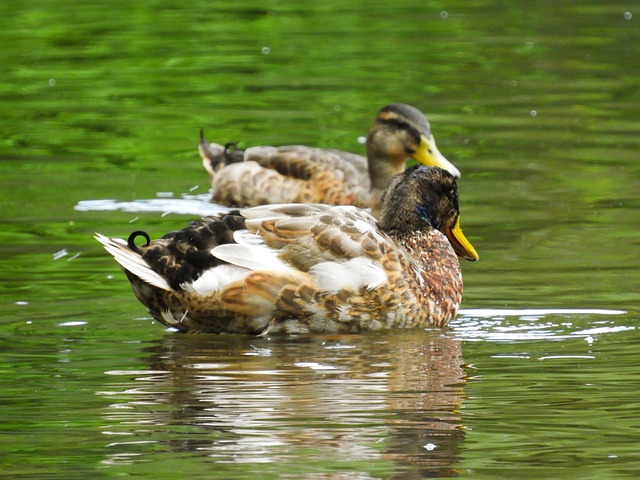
column 301, row 174
column 308, row 268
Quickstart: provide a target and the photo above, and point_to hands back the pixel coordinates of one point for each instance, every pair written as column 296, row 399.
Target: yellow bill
column 429, row 155
column 460, row 244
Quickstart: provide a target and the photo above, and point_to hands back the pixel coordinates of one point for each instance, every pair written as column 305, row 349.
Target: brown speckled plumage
column 301, row 174
column 297, row 268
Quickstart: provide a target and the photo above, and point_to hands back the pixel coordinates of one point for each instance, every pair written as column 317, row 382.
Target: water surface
column 536, row 103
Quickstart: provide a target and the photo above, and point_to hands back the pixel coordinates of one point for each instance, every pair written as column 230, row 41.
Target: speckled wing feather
column 339, row 247
column 307, row 234
column 294, row 174
column 302, row 162
column 336, row 257
column 358, row 277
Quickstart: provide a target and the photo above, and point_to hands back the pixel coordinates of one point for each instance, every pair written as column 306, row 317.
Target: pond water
column 538, row 105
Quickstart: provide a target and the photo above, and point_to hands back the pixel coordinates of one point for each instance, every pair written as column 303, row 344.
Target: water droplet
column 195, row 187
column 52, row 82
column 22, row 302
column 466, row 141
column 444, row 14
column 430, row 446
column 60, row 253
column 362, row 139
column 134, row 219
column 266, row 50
column 533, row 113
column 628, row 15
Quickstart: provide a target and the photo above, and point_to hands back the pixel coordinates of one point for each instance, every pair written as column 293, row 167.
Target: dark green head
column 422, row 198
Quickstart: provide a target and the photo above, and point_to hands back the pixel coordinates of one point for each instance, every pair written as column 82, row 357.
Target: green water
column 538, row 105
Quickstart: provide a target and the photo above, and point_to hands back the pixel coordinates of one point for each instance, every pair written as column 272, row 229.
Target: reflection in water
column 330, row 399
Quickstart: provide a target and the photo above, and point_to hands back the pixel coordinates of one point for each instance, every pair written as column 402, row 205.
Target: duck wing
column 293, row 174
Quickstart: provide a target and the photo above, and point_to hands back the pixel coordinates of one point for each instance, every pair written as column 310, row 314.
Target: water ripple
column 186, row 205
column 511, row 325
column 537, row 312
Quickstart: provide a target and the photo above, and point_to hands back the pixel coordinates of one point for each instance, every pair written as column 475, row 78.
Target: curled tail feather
column 132, row 261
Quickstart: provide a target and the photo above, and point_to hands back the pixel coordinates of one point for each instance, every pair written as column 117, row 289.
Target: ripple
column 510, row 325
column 76, row 323
column 537, row 312
column 186, row 205
column 315, row 366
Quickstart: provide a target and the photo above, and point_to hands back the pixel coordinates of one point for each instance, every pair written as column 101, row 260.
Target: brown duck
column 294, row 268
column 301, row 174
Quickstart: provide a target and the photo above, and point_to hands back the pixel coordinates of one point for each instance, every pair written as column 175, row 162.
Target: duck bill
column 460, row 244
column 429, row 155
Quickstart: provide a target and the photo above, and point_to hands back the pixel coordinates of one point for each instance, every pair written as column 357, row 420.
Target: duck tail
column 215, row 157
column 131, row 260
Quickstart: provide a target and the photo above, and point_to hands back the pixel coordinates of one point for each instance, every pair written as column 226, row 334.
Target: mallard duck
column 301, row 174
column 295, row 268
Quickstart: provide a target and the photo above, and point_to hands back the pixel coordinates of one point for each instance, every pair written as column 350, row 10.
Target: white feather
column 245, row 237
column 364, row 227
column 215, row 279
column 252, row 257
column 353, row 274
column 131, row 261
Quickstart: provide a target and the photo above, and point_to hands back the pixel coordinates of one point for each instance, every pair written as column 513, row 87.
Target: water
column 537, row 104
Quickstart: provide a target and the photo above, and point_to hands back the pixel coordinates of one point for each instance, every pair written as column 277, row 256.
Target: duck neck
column 384, row 162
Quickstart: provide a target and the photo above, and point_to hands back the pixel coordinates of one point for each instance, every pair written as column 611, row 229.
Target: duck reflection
column 339, row 401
